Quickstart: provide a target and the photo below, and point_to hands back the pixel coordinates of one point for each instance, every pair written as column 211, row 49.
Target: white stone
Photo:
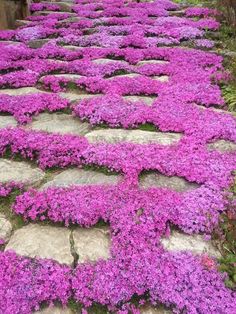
column 161, row 78
column 192, row 243
column 55, row 310
column 158, row 180
column 106, row 60
column 91, row 244
column 133, row 136
column 21, row 91
column 81, row 177
column 72, row 97
column 129, row 75
column 7, row 121
column 19, row 172
column 5, row 228
column 59, row 123
column 49, row 242
column 143, row 62
column 222, row 146
column 146, row 99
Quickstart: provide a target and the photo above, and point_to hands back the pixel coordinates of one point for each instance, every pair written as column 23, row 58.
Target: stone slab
column 91, row 244
column 19, row 172
column 42, row 241
column 81, row 177
column 222, row 146
column 146, row 99
column 5, row 228
column 7, row 121
column 133, row 136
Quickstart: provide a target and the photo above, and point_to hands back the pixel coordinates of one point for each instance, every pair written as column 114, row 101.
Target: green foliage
column 229, row 94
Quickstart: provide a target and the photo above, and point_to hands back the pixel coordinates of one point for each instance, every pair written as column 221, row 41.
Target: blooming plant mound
column 119, row 64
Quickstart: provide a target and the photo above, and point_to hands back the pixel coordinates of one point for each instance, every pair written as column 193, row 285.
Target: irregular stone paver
column 38, row 43
column 161, row 181
column 194, row 243
column 144, row 62
column 55, row 310
column 148, row 309
column 42, row 241
column 5, row 228
column 81, row 177
column 91, row 244
column 161, row 78
column 19, row 172
column 129, row 75
column 222, row 146
column 134, row 136
column 6, row 121
column 21, row 91
column 106, row 60
column 59, row 123
column 147, row 100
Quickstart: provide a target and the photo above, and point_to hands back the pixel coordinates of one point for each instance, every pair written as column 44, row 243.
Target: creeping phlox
column 125, row 49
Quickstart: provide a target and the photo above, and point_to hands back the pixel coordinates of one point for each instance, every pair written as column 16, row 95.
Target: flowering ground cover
column 111, row 65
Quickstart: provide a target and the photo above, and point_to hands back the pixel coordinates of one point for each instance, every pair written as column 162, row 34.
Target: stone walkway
column 75, row 245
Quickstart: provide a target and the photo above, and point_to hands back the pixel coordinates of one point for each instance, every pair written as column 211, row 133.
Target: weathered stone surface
column 59, row 123
column 71, row 47
column 194, row 243
column 222, row 146
column 52, row 12
column 129, row 75
column 146, row 99
column 42, row 241
column 161, row 78
column 38, row 43
column 81, row 177
column 5, row 228
column 19, row 23
column 133, row 136
column 55, row 310
column 161, row 181
column 106, row 60
column 148, row 309
column 19, row 172
column 144, row 62
column 10, row 42
column 21, row 91
column 6, row 121
column 91, row 244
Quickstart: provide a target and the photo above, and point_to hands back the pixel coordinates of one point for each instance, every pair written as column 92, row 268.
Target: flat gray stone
column 21, row 91
column 91, row 244
column 20, row 172
column 129, row 75
column 148, row 309
column 42, row 241
column 7, row 121
column 59, row 123
column 157, row 180
column 223, row 146
column 161, row 78
column 55, row 310
column 71, row 47
column 81, row 177
column 146, row 99
column 193, row 243
column 144, row 62
column 133, row 136
column 5, row 228
column 106, row 60
column 38, row 43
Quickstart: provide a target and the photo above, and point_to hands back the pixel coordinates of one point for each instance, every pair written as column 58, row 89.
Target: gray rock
column 161, row 78
column 144, row 62
column 81, row 177
column 222, row 146
column 193, row 243
column 53, row 12
column 42, row 241
column 5, row 228
column 133, row 136
column 59, row 123
column 38, row 43
column 19, row 172
column 55, row 310
column 7, row 121
column 73, row 97
column 146, row 99
column 106, row 60
column 91, row 244
column 161, row 181
column 129, row 75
